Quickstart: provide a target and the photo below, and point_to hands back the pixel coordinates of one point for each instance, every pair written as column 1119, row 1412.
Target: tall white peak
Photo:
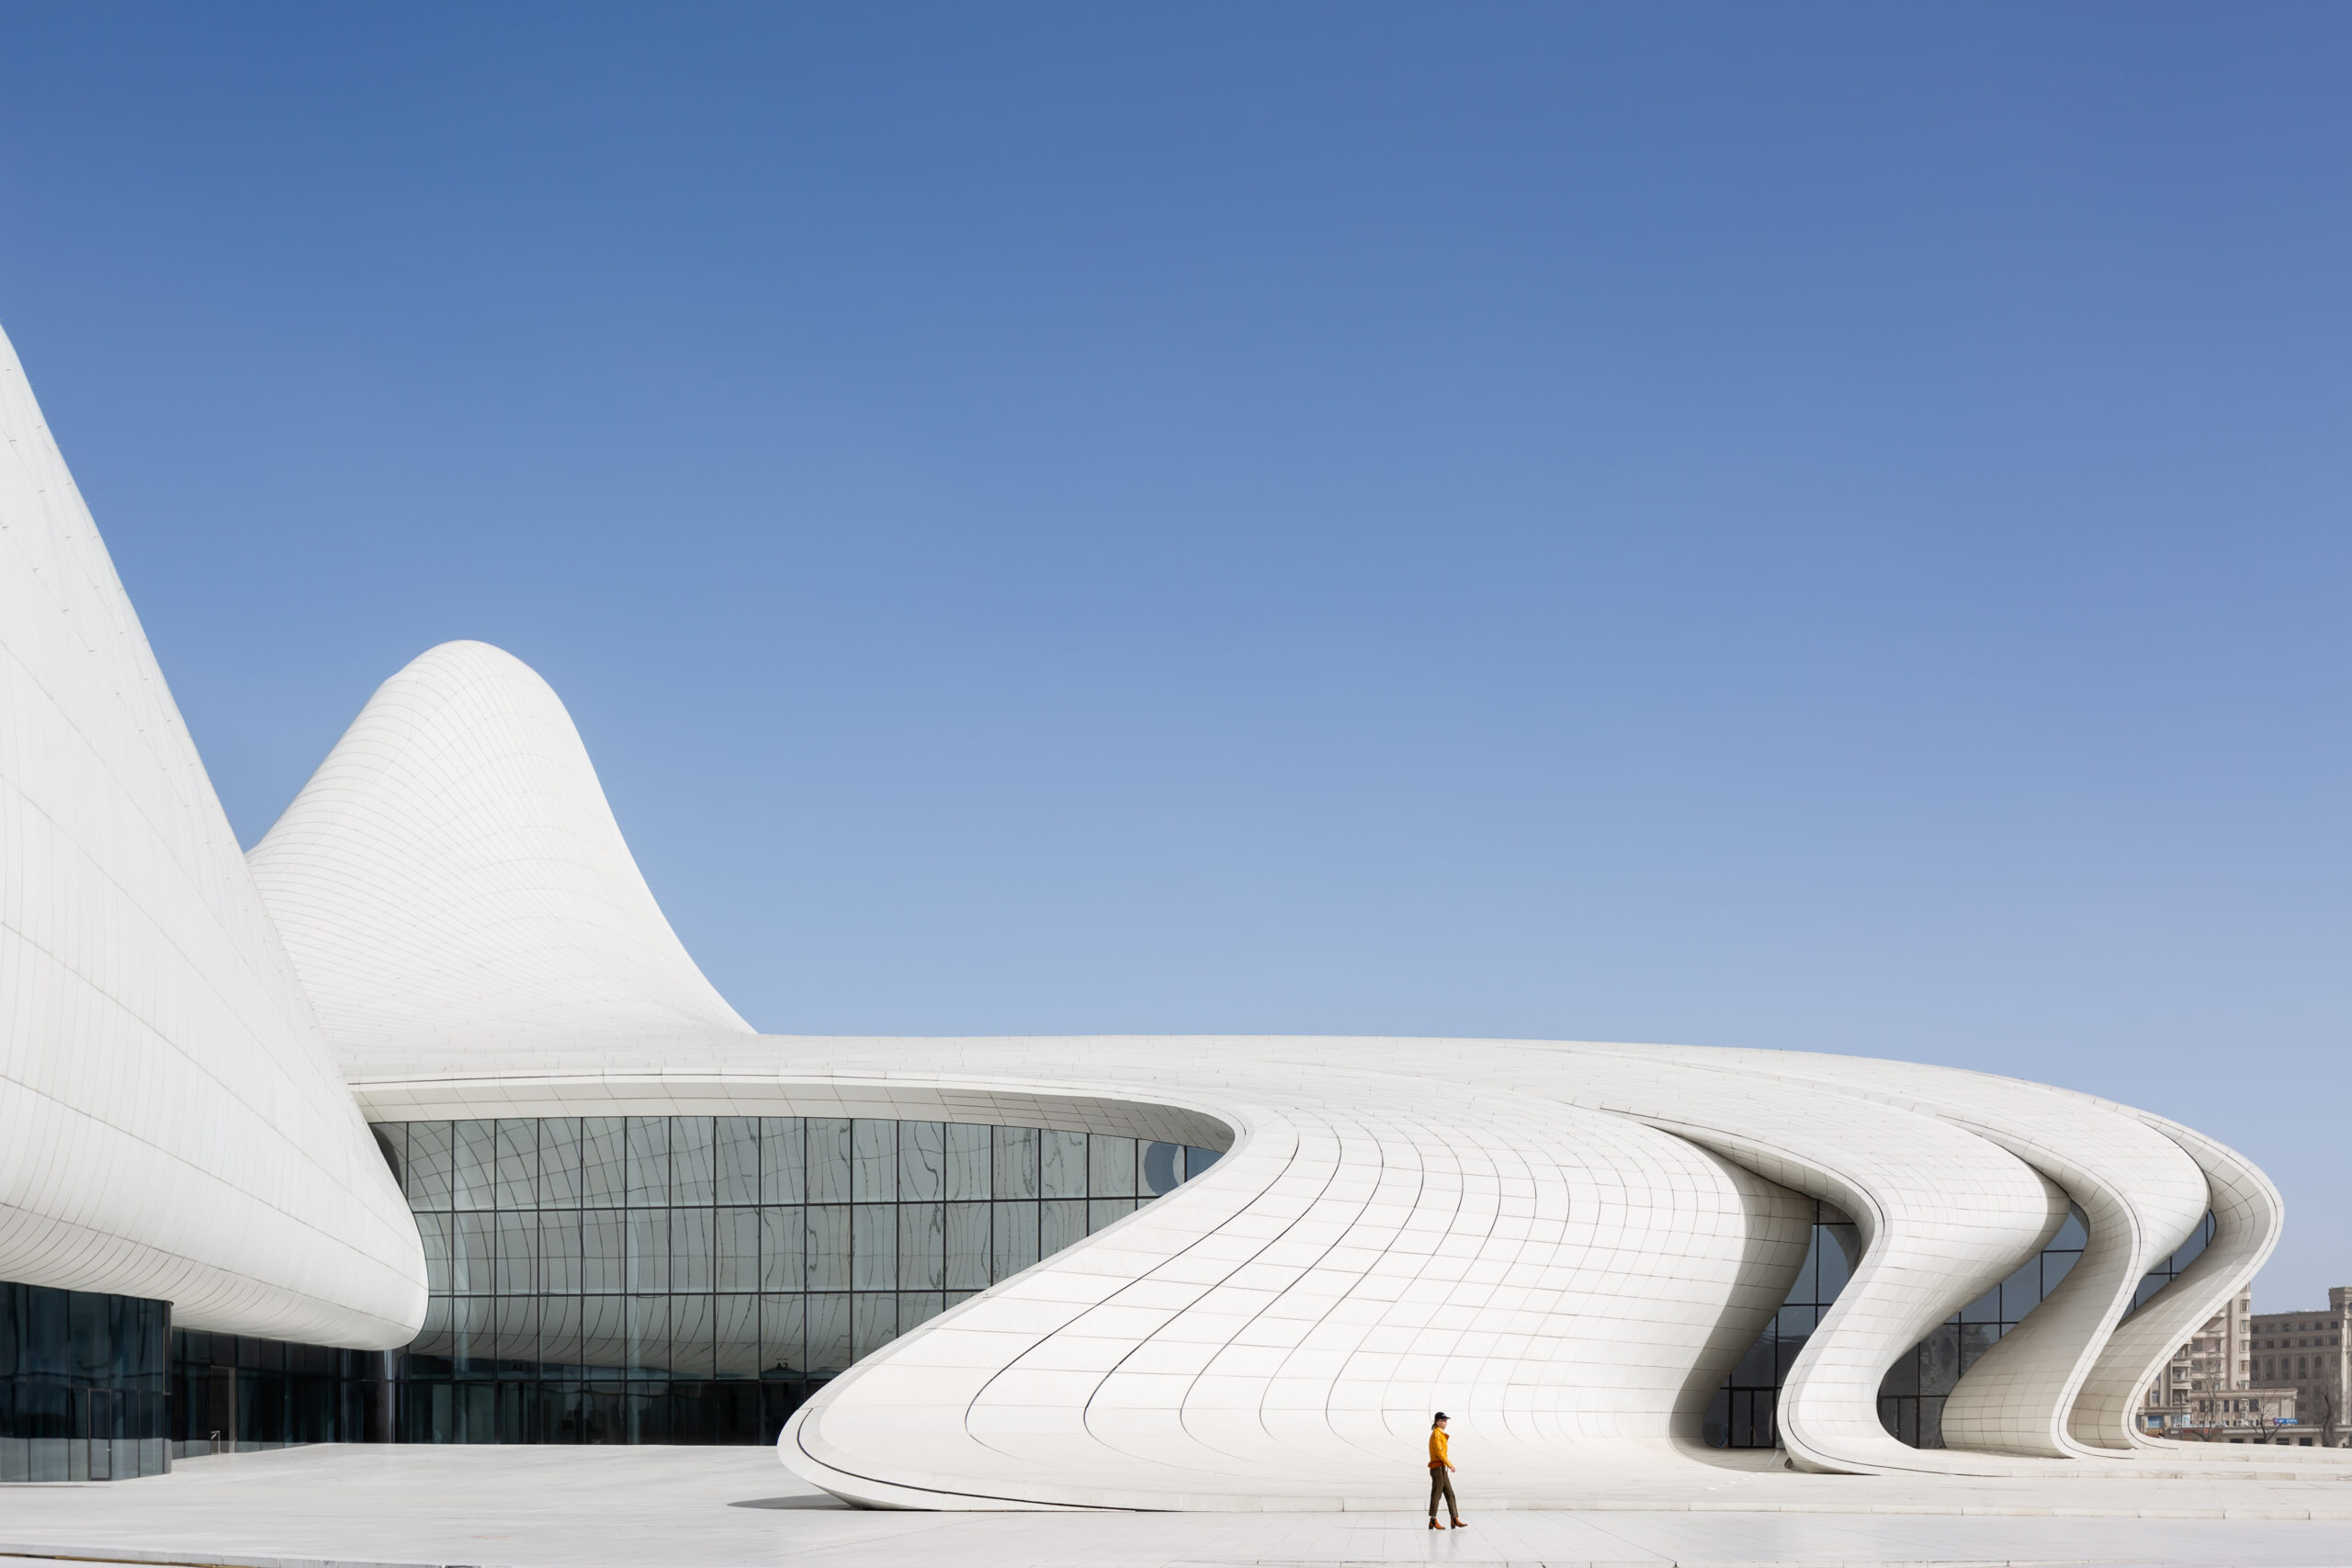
column 452, row 878
column 172, row 1124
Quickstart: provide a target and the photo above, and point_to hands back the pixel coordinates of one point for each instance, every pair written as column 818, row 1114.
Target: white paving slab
column 557, row 1508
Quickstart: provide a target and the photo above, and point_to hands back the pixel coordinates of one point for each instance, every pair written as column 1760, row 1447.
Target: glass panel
column 1016, row 1173
column 692, row 1321
column 649, row 1161
column 2056, row 1266
column 782, row 1160
column 874, row 1246
column 559, row 1253
column 603, row 1250
column 519, row 1334
column 474, row 1265
column 969, row 1152
column 518, row 1164
column 475, row 1185
column 1841, row 1248
column 784, row 1236
column 692, row 1149
column 918, row 1307
column 2021, row 1291
column 783, row 1322
column 1015, row 1239
column 828, row 1247
column 1939, row 1360
column 690, row 1249
column 923, row 1246
column 738, row 1256
column 828, row 1160
column 2071, row 1235
column 473, row 1326
column 1163, row 1169
column 603, row 1161
column 967, row 1247
column 559, row 1335
column 874, row 1161
column 1197, row 1161
column 922, row 1161
column 736, row 1333
column 874, row 1323
column 1100, row 1212
column 1110, row 1167
column 560, row 1163
column 603, row 1334
column 429, row 1165
column 828, row 1333
column 1063, row 1158
column 738, row 1159
column 434, row 1230
column 649, row 1334
column 518, row 1236
column 649, row 1250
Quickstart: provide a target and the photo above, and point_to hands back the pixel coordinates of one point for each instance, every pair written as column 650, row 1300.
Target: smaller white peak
column 452, row 877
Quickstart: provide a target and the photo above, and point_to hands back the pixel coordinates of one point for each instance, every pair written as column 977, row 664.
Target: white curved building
column 1234, row 1273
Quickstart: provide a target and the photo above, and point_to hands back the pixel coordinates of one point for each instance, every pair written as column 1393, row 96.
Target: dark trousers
column 1442, row 1485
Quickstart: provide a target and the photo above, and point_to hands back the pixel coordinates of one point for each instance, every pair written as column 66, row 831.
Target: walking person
column 1441, row 1476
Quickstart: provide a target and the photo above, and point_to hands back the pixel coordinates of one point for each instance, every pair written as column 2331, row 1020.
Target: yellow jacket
column 1437, row 1447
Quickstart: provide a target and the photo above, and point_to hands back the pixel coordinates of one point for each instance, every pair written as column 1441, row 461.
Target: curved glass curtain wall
column 1911, row 1396
column 83, row 1385
column 693, row 1279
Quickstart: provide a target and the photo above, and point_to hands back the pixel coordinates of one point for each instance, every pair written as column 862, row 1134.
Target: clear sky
column 1799, row 526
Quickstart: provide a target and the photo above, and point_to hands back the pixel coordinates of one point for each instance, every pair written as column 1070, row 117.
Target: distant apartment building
column 2205, row 1390
column 2307, row 1352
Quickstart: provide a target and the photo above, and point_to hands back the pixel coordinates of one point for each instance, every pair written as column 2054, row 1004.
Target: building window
column 694, row 1278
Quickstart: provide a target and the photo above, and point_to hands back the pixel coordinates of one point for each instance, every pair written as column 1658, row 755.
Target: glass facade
column 1911, row 1397
column 82, row 1394
column 235, row 1395
column 693, row 1279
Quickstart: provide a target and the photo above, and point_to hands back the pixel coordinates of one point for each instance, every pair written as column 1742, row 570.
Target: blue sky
column 1806, row 527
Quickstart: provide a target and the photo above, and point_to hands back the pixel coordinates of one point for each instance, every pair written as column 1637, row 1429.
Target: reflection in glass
column 874, row 1246
column 737, row 1262
column 1062, row 1165
column 923, row 1246
column 874, row 1161
column 560, row 1163
column 827, row 1247
column 828, row 1333
column 518, row 1164
column 970, row 1151
column 603, row 1161
column 782, row 1160
column 923, row 1152
column 660, row 1258
column 1016, row 1161
column 738, row 1159
column 649, row 1161
column 1110, row 1167
column 693, row 1156
column 967, row 1247
column 828, row 1160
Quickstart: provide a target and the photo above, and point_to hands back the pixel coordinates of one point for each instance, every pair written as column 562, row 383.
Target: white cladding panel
column 171, row 1125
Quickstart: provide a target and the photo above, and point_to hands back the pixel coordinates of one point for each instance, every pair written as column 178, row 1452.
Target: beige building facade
column 2307, row 1352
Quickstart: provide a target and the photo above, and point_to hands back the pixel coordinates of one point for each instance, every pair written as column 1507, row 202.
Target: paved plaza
column 574, row 1507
